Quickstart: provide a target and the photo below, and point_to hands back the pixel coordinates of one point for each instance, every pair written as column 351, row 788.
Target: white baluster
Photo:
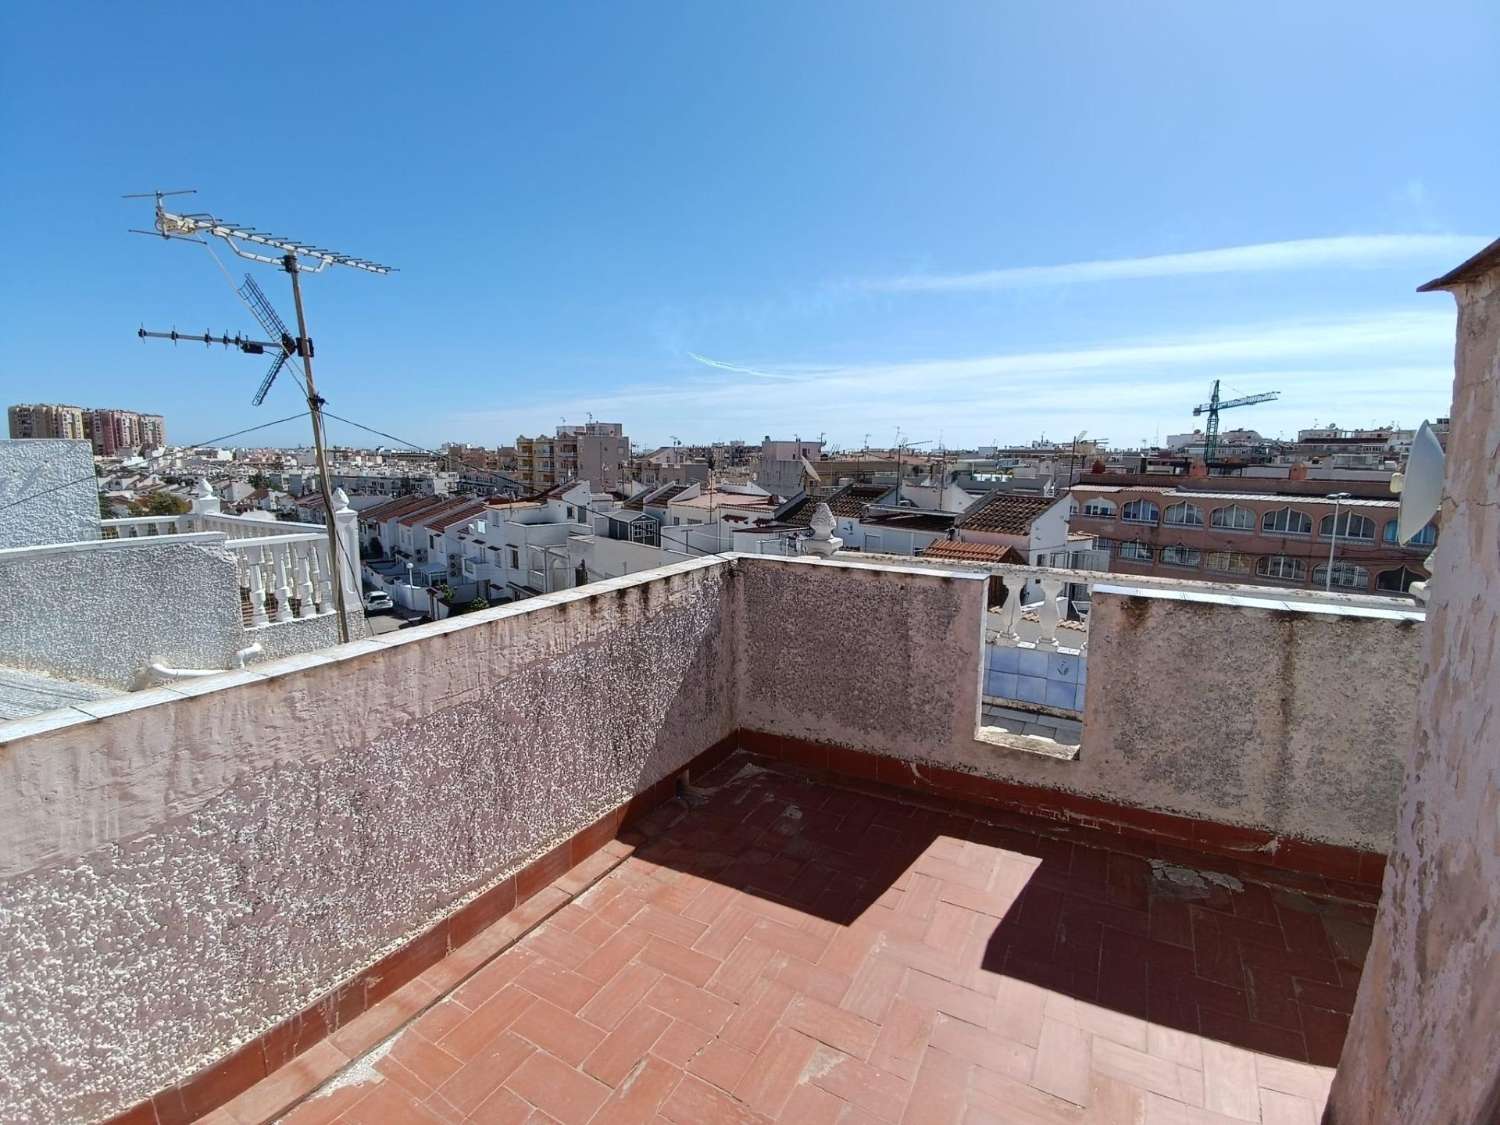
column 1083, row 645
column 325, row 578
column 1047, row 615
column 250, row 560
column 281, row 561
column 304, row 581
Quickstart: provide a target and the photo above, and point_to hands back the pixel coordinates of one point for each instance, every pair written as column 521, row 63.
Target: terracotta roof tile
column 1006, row 513
column 971, row 552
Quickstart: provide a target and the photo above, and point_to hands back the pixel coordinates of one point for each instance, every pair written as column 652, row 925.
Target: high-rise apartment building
column 46, row 420
column 110, row 431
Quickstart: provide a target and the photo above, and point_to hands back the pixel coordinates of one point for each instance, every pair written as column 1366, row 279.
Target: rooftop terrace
column 222, row 895
column 785, row 947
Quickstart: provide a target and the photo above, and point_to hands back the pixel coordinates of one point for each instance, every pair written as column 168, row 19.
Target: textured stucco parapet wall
column 1424, row 1040
column 104, row 610
column 1278, row 716
column 59, row 474
column 202, row 861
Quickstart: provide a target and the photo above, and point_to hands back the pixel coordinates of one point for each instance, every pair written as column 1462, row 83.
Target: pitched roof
column 971, row 552
column 435, row 505
column 913, row 521
column 664, row 496
column 718, row 499
column 848, row 501
column 1005, row 513
column 392, row 508
column 851, row 500
column 462, row 514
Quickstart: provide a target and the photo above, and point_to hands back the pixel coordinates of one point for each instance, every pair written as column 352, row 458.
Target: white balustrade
column 286, row 568
column 136, row 527
column 1036, row 613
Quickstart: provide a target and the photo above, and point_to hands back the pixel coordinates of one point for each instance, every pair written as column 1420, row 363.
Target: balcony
column 726, row 838
column 130, row 602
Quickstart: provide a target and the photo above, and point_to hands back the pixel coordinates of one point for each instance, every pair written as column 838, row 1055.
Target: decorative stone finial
column 823, row 542
column 340, row 500
column 201, row 489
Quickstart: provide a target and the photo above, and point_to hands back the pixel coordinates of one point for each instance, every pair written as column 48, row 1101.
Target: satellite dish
column 1421, row 485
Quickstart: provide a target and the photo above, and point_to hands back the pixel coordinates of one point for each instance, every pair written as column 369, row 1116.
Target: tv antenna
column 295, row 258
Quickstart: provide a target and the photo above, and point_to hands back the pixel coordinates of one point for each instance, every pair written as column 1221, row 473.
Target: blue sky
column 975, row 221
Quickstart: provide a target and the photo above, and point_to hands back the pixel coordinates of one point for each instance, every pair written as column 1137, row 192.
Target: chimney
column 1298, row 471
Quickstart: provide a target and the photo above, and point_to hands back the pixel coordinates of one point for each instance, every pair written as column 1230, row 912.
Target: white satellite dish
column 1421, row 486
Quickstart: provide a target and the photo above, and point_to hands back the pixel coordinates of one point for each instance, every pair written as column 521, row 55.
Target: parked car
column 377, row 601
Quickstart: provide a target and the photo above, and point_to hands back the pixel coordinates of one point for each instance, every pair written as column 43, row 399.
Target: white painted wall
column 103, row 611
column 59, row 475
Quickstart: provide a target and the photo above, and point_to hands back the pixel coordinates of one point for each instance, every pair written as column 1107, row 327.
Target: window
column 1232, row 518
column 1424, row 538
column 1396, row 581
column 1287, row 521
column 1351, row 526
column 1140, row 511
column 1103, row 509
column 1283, row 567
column 1184, row 515
column 572, row 514
column 515, row 559
column 1345, row 574
column 1230, row 562
column 1136, row 551
column 1180, row 555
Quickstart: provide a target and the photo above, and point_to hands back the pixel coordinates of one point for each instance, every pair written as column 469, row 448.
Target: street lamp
column 1333, row 545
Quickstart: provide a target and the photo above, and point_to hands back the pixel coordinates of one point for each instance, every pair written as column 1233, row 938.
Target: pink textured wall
column 1424, row 1042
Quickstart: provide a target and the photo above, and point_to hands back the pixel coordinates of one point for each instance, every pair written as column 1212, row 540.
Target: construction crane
column 1212, row 408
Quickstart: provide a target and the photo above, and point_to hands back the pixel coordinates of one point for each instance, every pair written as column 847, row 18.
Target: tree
column 106, row 509
column 160, row 504
column 259, row 480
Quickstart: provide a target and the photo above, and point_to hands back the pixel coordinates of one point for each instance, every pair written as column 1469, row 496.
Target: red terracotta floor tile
column 870, row 959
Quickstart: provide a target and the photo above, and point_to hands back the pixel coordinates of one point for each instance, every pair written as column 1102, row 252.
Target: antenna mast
column 192, row 226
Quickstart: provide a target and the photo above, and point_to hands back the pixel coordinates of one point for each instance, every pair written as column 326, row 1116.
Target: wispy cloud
column 1384, row 364
column 720, row 365
column 1343, row 252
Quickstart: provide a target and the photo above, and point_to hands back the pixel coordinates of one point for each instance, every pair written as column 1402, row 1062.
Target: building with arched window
column 1223, row 534
column 1351, row 525
column 1183, row 514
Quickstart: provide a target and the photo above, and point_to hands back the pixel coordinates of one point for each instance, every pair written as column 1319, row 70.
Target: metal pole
column 1338, row 498
column 325, row 482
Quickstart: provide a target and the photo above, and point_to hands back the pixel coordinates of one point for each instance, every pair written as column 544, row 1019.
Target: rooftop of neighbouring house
column 971, row 552
column 1005, row 512
column 783, row 948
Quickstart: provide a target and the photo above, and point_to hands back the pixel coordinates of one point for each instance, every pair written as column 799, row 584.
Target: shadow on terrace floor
column 789, row 950
column 1198, row 944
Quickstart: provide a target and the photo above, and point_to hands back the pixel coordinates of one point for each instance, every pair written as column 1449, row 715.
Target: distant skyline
column 976, row 222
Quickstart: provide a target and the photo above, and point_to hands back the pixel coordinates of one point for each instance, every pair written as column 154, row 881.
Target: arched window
column 1232, row 518
column 1286, row 521
column 1180, row 555
column 1424, row 538
column 1100, row 507
column 1345, row 574
column 1230, row 562
column 1396, row 581
column 1140, row 511
column 1351, row 526
column 1184, row 515
column 1135, row 551
column 1283, row 567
